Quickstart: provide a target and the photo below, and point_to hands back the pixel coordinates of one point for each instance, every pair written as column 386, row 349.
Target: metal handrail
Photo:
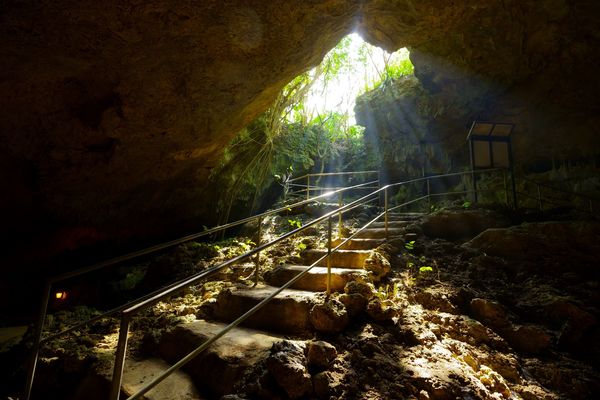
column 333, row 174
column 547, row 199
column 38, row 340
column 129, row 309
column 128, row 314
column 178, row 365
column 547, row 185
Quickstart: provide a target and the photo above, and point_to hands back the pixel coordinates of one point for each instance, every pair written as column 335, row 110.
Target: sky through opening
column 362, row 67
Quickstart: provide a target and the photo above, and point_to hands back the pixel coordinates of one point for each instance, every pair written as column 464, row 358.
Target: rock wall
column 529, row 63
column 114, row 113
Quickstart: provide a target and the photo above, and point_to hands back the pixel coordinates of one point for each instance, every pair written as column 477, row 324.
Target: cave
column 117, row 124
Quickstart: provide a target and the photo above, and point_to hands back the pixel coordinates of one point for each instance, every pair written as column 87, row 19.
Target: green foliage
column 294, row 223
column 410, row 245
column 289, row 137
column 301, row 246
column 466, row 204
column 234, row 247
column 388, row 292
column 425, row 269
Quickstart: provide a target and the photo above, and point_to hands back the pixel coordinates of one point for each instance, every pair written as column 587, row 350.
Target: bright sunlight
column 359, row 67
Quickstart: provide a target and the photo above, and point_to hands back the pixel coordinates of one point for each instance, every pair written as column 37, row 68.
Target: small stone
column 423, row 395
column 321, row 354
column 329, row 317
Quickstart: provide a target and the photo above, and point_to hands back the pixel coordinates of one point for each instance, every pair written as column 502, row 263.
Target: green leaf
column 425, row 269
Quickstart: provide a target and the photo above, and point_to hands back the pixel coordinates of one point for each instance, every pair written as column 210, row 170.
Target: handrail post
column 328, row 256
column 474, row 178
column 257, row 259
column 428, row 196
column 385, row 205
column 505, row 187
column 307, row 186
column 117, row 378
column 340, row 223
column 35, row 351
column 539, row 192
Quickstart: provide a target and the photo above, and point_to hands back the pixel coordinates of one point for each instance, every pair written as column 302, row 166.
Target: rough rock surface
column 320, row 354
column 507, row 62
column 329, row 317
column 484, row 327
column 457, row 224
column 287, row 364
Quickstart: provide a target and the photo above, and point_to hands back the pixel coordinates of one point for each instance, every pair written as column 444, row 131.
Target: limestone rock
column 355, row 303
column 320, row 354
column 456, row 224
column 381, row 310
column 532, row 241
column 490, row 312
column 326, row 384
column 329, row 317
column 360, row 287
column 527, row 338
column 287, row 365
column 377, row 265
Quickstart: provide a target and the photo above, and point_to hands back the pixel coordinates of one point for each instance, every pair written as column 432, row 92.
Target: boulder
column 287, row 365
column 569, row 243
column 355, row 303
column 459, row 224
column 365, row 289
column 528, row 338
column 329, row 317
column 377, row 265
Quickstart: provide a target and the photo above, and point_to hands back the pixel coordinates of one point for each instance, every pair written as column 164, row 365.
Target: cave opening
column 311, row 127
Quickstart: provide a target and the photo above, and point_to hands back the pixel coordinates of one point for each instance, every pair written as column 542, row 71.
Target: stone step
column 217, row 369
column 316, row 279
column 393, row 216
column 136, row 375
column 379, row 233
column 288, row 312
column 358, row 244
column 339, row 258
column 391, row 224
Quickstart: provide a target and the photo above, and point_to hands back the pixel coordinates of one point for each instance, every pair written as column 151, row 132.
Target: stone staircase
column 217, row 369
